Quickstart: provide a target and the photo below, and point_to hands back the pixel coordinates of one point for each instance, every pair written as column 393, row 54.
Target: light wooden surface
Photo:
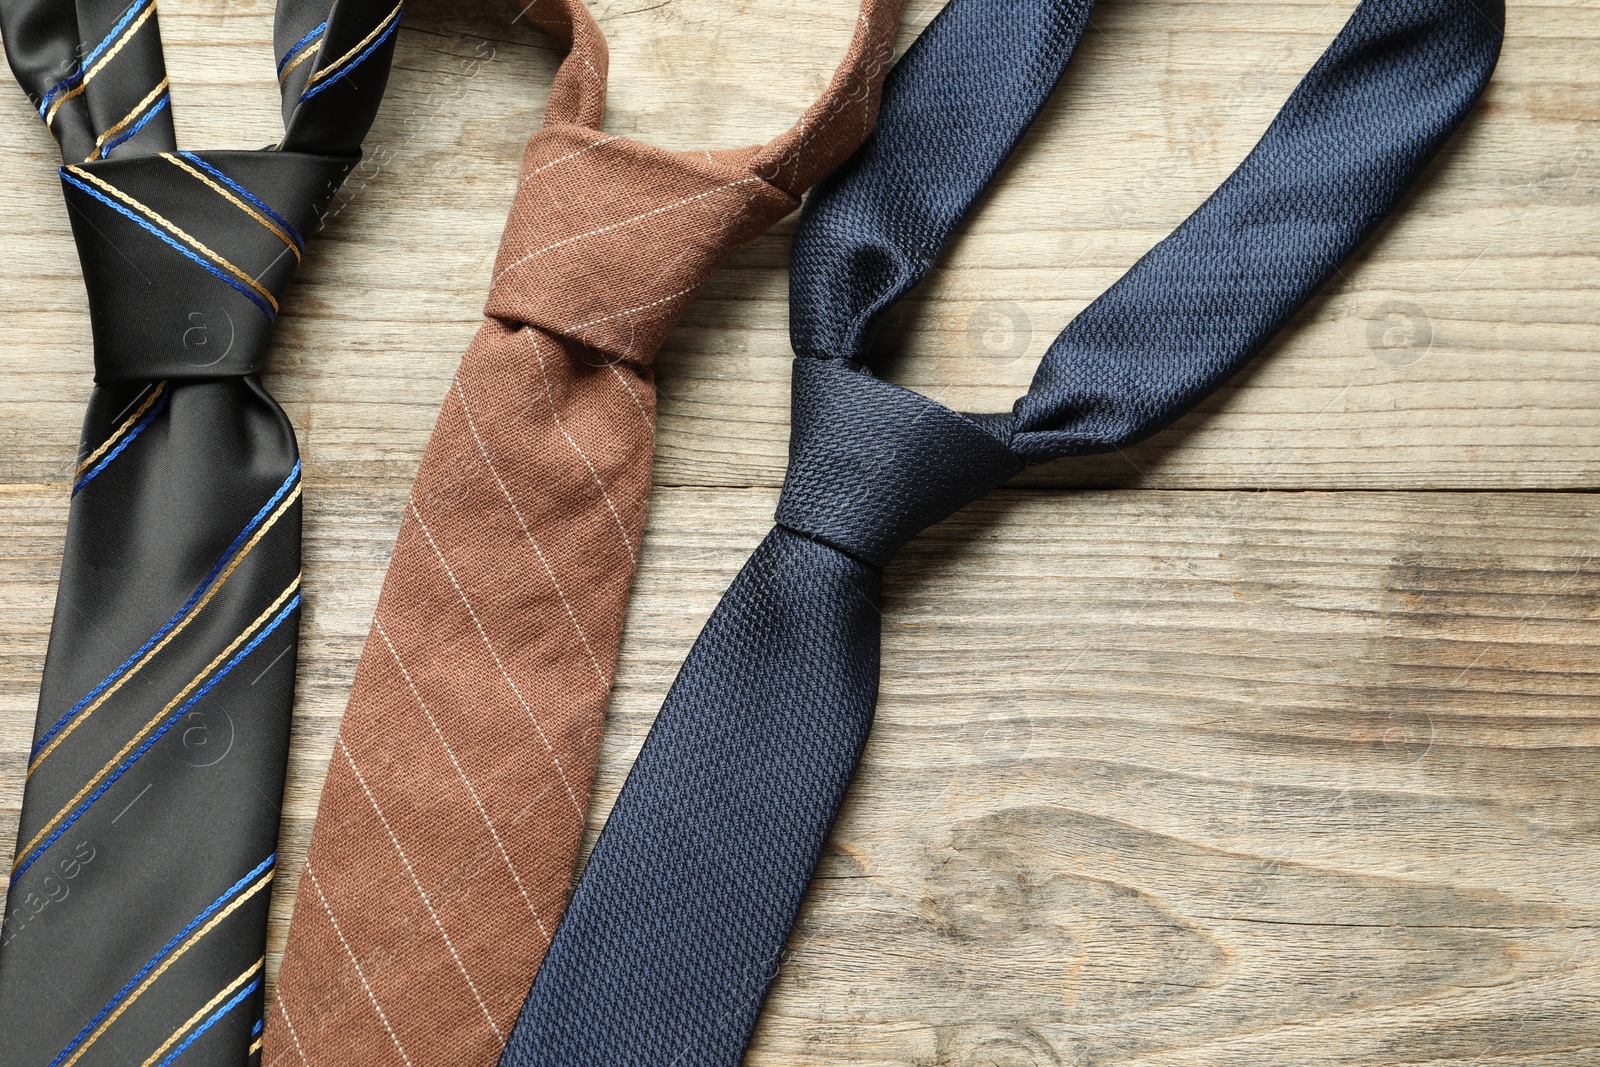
column 1271, row 742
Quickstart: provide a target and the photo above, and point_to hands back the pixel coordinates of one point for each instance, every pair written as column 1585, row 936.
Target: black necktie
column 136, row 917
column 677, row 924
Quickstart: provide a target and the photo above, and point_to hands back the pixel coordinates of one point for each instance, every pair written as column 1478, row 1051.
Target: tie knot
column 871, row 464
column 609, row 239
column 185, row 255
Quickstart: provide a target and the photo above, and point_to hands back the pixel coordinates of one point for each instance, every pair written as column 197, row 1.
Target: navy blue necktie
column 135, row 923
column 676, row 927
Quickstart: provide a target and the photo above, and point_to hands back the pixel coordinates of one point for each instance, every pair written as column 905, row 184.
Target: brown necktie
column 454, row 803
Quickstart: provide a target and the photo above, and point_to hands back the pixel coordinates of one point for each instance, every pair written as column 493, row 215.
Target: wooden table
column 1270, row 742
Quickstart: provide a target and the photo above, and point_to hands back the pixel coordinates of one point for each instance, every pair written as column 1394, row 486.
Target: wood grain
column 1272, row 741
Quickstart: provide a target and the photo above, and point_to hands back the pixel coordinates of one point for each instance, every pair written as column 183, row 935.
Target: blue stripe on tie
column 116, row 31
column 69, row 82
column 160, row 106
column 248, row 195
column 227, row 895
column 153, row 738
column 205, row 583
column 256, row 1029
column 89, row 60
column 174, row 242
column 98, row 467
column 299, row 46
column 254, row 985
column 354, row 63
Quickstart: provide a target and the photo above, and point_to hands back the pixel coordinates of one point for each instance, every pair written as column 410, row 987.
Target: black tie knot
column 871, row 464
column 186, row 255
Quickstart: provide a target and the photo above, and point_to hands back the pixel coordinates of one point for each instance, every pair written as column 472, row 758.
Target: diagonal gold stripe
column 127, row 120
column 88, row 75
column 174, row 632
column 156, row 721
column 189, row 1023
column 151, row 725
column 174, row 229
column 114, row 438
column 333, row 68
column 76, row 90
column 304, row 55
column 255, row 1047
column 277, row 230
column 188, row 943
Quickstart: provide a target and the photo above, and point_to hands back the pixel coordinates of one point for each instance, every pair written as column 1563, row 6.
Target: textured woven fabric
column 135, row 926
column 677, row 926
column 454, row 804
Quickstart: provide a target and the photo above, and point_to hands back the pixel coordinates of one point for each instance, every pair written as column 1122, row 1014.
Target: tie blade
column 137, row 910
column 453, row 810
column 1350, row 141
column 140, row 885
column 678, row 925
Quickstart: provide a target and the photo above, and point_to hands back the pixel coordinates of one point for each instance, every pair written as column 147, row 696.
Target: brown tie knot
column 609, row 240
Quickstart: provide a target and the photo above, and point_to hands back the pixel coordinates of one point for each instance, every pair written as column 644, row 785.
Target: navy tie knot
column 871, row 464
column 186, row 255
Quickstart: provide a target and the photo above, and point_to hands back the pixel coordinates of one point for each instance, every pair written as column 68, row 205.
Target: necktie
column 455, row 798
column 137, row 910
column 679, row 920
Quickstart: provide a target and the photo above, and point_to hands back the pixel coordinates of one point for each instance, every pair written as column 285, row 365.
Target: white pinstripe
column 573, row 331
column 382, row 1018
column 630, row 311
column 623, row 378
column 577, row 808
column 625, row 222
column 299, row 1051
column 572, row 615
column 550, row 398
column 426, row 903
column 826, row 103
column 535, row 172
column 581, row 54
column 377, row 624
